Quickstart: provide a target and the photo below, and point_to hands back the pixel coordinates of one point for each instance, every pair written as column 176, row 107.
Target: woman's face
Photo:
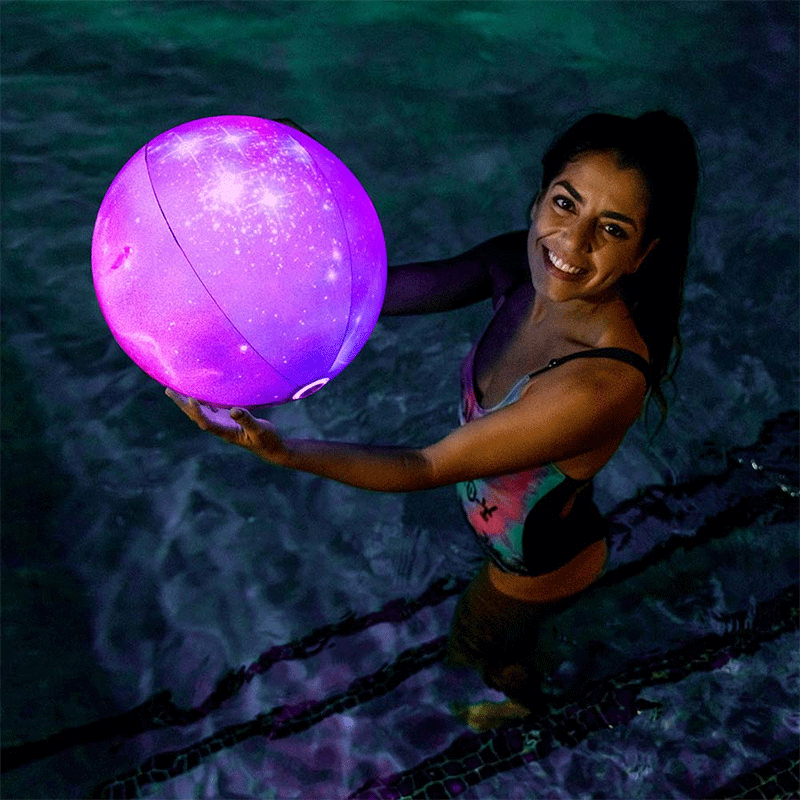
column 587, row 228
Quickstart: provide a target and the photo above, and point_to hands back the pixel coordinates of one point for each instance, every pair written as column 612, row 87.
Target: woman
column 585, row 326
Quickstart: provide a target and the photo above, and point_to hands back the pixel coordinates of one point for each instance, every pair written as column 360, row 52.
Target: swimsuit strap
column 617, row 353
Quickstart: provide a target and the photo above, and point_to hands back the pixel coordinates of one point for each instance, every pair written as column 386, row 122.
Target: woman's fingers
column 188, row 405
column 205, row 417
column 258, row 431
column 243, row 417
column 237, row 425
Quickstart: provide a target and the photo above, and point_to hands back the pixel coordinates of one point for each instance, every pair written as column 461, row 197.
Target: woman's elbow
column 418, row 472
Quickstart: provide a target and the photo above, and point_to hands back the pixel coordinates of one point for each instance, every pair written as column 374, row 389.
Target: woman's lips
column 558, row 267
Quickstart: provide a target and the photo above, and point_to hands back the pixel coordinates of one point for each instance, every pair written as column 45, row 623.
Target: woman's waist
column 577, row 574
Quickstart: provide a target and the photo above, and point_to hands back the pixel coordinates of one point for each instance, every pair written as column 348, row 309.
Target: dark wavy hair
column 663, row 149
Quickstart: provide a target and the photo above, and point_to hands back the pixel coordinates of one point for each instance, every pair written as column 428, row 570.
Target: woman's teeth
column 562, row 265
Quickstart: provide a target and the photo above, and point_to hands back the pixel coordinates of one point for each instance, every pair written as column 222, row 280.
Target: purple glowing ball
column 238, row 261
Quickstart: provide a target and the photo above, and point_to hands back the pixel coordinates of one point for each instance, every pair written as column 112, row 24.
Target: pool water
column 181, row 620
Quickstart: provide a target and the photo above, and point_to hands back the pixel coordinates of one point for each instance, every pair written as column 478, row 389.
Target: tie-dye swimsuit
column 517, row 518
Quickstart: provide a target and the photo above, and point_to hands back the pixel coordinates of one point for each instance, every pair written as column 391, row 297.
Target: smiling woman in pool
column 585, row 325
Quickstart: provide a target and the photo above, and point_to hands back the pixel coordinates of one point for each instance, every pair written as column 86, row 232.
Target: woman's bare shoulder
column 620, row 331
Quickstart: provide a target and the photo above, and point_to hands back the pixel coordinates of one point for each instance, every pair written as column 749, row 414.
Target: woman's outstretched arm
column 482, row 272
column 585, row 407
column 381, row 469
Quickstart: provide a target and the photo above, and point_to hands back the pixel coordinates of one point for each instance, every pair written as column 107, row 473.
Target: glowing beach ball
column 238, row 261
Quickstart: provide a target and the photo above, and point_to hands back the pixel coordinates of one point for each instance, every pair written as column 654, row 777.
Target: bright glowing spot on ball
column 268, row 199
column 187, row 148
column 232, row 140
column 227, row 189
column 212, row 261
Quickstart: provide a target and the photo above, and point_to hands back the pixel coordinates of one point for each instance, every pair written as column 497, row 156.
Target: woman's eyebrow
column 571, row 189
column 612, row 214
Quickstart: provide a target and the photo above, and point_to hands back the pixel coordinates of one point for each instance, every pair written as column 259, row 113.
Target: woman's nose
column 578, row 236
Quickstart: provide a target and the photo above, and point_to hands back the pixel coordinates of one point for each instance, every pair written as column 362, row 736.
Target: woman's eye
column 563, row 202
column 616, row 232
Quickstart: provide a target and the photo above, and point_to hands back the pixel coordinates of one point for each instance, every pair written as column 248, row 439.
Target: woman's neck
column 576, row 314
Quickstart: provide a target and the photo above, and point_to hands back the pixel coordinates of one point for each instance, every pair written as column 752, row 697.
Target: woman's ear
column 532, row 206
column 649, row 249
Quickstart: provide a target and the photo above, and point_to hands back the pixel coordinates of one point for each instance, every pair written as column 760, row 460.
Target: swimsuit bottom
column 545, row 550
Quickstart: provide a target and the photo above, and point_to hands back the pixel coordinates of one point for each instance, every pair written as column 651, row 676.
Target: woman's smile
column 561, row 268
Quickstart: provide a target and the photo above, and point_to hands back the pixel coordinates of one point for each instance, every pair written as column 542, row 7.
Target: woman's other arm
column 487, row 270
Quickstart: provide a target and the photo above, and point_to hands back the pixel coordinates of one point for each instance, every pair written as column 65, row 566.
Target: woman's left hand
column 237, row 426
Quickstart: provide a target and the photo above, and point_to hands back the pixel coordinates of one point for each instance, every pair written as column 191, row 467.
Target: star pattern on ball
column 238, row 261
